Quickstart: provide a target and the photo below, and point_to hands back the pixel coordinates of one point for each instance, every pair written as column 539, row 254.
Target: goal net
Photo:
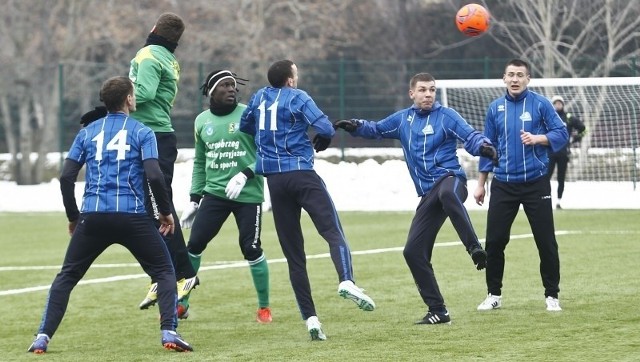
column 609, row 108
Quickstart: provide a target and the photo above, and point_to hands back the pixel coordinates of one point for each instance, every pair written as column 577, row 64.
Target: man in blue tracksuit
column 429, row 134
column 522, row 124
column 119, row 155
column 279, row 117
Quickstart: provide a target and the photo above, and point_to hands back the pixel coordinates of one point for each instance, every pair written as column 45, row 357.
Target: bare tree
column 31, row 31
column 85, row 41
column 251, row 34
column 559, row 35
column 37, row 36
column 17, row 99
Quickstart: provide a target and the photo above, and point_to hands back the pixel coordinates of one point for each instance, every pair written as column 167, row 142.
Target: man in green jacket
column 155, row 73
column 223, row 182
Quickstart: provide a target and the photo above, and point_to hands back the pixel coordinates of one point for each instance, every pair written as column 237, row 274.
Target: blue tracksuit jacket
column 506, row 117
column 279, row 118
column 429, row 141
column 113, row 150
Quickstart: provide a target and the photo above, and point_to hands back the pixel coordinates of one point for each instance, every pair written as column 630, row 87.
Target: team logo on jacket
column 176, row 69
column 525, row 117
column 501, row 108
column 428, row 129
column 209, row 131
column 233, row 127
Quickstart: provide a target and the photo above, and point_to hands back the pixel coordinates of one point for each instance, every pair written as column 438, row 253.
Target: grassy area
column 599, row 290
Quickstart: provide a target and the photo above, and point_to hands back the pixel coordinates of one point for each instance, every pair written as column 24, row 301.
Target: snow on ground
column 365, row 186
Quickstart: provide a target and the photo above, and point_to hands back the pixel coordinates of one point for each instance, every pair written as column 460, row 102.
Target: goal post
column 609, row 107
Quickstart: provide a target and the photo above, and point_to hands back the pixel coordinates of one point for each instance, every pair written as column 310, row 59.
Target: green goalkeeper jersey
column 155, row 73
column 221, row 152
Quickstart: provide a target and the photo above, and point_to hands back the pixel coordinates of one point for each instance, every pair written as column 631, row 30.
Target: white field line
column 225, row 265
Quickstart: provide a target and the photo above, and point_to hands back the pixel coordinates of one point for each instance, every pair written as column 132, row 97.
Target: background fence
column 341, row 88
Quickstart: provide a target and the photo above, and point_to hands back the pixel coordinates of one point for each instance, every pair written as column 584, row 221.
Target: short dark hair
column 114, row 92
column 518, row 63
column 420, row 77
column 279, row 72
column 169, row 26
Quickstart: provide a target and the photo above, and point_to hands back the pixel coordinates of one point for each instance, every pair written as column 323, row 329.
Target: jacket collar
column 426, row 112
column 520, row 97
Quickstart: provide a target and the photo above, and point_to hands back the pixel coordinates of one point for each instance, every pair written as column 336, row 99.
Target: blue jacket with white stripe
column 279, row 119
column 506, row 118
column 429, row 140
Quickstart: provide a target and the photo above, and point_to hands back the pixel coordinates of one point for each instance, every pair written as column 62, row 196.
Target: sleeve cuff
column 195, row 198
column 249, row 173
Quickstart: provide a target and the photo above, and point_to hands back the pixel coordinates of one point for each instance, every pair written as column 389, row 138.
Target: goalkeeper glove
column 93, row 115
column 577, row 138
column 348, row 125
column 189, row 214
column 488, row 151
column 235, row 185
column 320, row 143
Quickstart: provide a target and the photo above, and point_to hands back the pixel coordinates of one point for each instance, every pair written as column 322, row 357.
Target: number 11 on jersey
column 273, row 110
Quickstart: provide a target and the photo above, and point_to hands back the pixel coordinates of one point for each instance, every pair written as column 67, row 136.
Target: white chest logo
column 428, row 129
column 209, row 131
column 525, row 117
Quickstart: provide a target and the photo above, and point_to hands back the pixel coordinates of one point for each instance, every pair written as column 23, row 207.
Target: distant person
column 224, row 182
column 575, row 128
column 429, row 135
column 155, row 73
column 521, row 124
column 118, row 152
column 279, row 117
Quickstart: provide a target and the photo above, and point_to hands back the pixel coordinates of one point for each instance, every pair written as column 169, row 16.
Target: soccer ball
column 473, row 19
